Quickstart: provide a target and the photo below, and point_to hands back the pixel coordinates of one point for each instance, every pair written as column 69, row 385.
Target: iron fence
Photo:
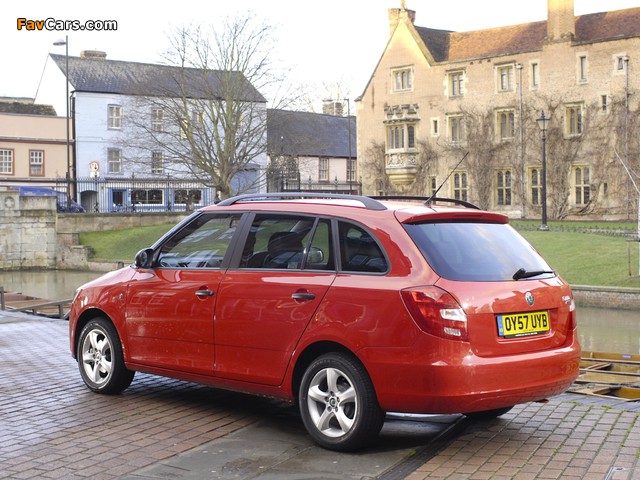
column 117, row 194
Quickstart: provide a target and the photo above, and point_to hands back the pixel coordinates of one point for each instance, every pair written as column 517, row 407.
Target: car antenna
column 430, row 199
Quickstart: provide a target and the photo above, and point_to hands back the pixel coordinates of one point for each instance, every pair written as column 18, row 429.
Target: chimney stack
column 397, row 14
column 94, row 54
column 561, row 24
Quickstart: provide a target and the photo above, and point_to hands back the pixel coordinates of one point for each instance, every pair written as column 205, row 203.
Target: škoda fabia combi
column 349, row 306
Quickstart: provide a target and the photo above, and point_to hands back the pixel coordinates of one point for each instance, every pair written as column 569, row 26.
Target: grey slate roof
column 100, row 75
column 310, row 134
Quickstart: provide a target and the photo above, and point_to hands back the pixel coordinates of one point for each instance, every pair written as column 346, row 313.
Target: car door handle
column 303, row 296
column 204, row 293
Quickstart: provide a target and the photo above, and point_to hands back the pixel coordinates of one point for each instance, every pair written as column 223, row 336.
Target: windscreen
column 477, row 251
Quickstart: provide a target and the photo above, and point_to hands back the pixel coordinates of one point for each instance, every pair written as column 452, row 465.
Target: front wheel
column 100, row 358
column 338, row 403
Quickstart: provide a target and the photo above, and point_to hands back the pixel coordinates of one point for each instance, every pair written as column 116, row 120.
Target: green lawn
column 122, row 245
column 580, row 258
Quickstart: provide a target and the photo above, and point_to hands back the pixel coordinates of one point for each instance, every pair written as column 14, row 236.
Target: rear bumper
column 459, row 382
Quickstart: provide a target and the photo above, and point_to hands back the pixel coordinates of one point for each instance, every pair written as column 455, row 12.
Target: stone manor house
column 436, row 95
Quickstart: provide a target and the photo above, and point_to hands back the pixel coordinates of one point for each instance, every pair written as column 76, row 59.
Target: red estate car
column 351, row 306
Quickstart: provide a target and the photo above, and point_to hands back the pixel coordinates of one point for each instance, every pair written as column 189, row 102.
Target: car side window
column 282, row 242
column 203, row 243
column 359, row 251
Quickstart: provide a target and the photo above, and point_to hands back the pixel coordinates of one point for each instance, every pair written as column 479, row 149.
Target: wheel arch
column 309, row 354
column 84, row 318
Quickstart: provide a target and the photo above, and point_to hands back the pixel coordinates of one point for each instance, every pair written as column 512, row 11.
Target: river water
column 600, row 330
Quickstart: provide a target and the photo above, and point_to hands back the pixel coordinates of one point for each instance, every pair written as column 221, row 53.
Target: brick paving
column 51, row 426
column 571, row 437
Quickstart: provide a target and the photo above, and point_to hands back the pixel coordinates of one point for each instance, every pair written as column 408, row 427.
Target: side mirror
column 315, row 255
column 144, row 258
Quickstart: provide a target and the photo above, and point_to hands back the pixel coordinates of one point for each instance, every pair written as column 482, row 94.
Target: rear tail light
column 436, row 312
column 572, row 315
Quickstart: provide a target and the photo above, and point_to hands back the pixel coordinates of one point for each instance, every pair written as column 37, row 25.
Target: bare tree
column 207, row 115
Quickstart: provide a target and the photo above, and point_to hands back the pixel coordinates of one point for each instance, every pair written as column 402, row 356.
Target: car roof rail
column 428, row 201
column 368, row 202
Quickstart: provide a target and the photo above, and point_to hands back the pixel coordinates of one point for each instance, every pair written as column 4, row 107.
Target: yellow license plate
column 523, row 324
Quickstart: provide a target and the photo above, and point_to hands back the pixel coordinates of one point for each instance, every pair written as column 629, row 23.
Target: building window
column 456, row 84
column 114, row 160
column 604, row 103
column 506, row 125
column 399, row 136
column 351, row 170
column 323, row 169
column 573, row 120
column 583, row 187
column 157, row 163
column 157, row 120
column 504, row 187
column 184, row 129
column 147, row 197
column 535, row 75
column 433, row 185
column 456, row 129
column 536, row 188
column 505, row 78
column 620, row 62
column 402, row 79
column 435, row 130
column 460, row 186
column 115, row 116
column 582, row 68
column 36, row 163
column 6, row 162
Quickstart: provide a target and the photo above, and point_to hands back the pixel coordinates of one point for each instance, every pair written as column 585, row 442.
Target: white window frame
column 323, row 169
column 582, row 68
column 114, row 114
column 114, row 160
column 7, row 165
column 157, row 162
column 36, row 161
column 157, row 119
column 534, row 80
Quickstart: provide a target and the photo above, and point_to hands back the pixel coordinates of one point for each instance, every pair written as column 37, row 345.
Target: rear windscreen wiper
column 522, row 273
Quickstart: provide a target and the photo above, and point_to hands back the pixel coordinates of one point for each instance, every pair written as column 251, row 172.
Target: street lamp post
column 59, row 43
column 543, row 123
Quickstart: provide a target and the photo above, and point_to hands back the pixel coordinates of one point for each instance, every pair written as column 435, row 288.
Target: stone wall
column 607, row 297
column 27, row 231
column 33, row 235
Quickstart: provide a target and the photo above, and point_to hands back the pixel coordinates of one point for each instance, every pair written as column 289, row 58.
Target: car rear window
column 471, row 251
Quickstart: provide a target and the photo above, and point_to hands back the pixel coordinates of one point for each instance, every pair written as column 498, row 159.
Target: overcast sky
column 323, row 42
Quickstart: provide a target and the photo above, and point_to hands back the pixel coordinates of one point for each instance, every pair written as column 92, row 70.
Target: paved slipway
column 51, row 426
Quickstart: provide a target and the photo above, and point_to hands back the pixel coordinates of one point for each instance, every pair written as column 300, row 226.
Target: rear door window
column 359, row 251
column 475, row 251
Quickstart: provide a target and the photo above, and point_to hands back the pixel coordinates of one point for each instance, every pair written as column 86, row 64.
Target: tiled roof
column 446, row 46
column 131, row 78
column 310, row 134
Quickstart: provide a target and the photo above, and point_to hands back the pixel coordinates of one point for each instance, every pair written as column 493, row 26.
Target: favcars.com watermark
column 56, row 25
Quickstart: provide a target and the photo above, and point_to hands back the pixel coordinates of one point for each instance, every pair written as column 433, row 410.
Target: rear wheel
column 338, row 403
column 100, row 358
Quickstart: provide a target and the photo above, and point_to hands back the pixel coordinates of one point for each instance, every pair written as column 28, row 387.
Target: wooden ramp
column 17, row 302
column 609, row 375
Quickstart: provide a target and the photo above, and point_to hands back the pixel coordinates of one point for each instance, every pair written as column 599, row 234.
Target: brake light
column 436, row 312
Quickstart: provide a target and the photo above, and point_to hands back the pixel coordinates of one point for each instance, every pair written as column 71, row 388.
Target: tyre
column 338, row 403
column 488, row 414
column 100, row 358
